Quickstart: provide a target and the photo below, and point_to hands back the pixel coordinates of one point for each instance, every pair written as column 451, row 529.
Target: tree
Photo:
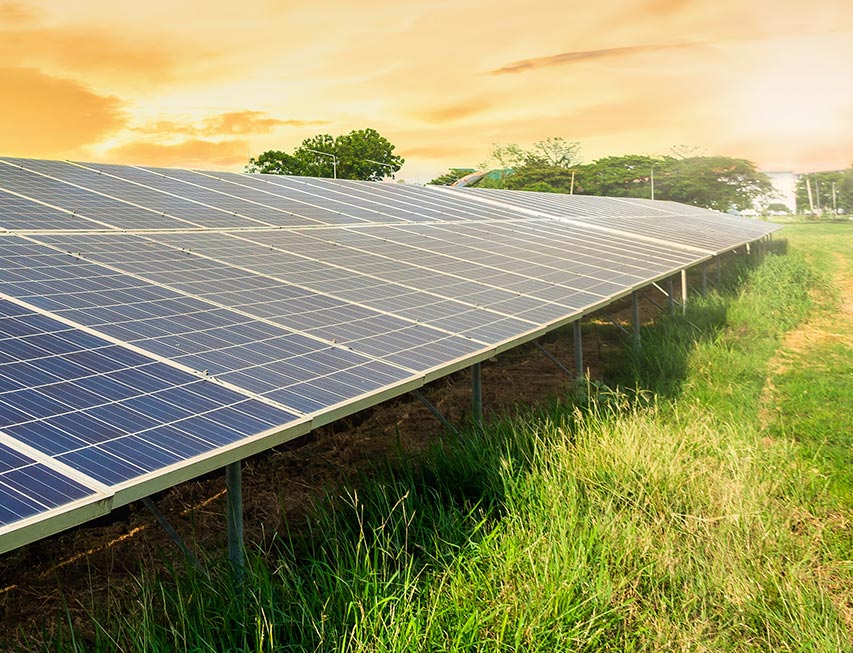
column 362, row 154
column 555, row 151
column 713, row 182
column 276, row 162
column 557, row 178
column 617, row 176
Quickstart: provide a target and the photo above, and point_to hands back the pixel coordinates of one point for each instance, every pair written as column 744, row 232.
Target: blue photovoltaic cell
column 102, row 408
column 334, row 320
column 297, row 201
column 189, row 330
column 101, row 210
column 29, row 487
column 244, row 213
column 327, row 269
column 669, row 222
column 24, row 214
column 164, row 210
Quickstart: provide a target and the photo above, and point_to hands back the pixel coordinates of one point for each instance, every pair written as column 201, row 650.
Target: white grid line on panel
column 143, row 352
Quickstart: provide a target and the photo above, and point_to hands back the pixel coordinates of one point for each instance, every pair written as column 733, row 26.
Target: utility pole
column 572, row 187
column 817, row 192
column 652, row 177
column 834, row 200
column 809, row 191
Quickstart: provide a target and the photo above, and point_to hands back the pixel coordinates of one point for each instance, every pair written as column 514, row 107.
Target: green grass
column 654, row 516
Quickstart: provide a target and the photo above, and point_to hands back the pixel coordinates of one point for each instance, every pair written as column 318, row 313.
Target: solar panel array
column 157, row 324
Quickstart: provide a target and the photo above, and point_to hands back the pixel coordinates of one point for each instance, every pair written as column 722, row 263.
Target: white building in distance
column 784, row 191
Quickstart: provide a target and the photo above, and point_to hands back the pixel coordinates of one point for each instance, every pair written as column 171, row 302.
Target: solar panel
column 100, row 210
column 665, row 222
column 260, row 209
column 29, row 487
column 157, row 323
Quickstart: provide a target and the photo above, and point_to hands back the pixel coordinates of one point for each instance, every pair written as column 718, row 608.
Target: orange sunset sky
column 207, row 84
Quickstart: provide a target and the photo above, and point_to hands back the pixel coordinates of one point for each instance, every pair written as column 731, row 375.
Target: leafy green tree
column 557, row 178
column 714, row 182
column 362, row 154
column 617, row 176
column 276, row 162
column 777, row 208
column 555, row 151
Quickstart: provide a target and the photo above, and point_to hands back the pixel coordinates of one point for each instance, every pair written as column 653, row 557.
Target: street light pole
column 334, row 161
column 653, row 182
column 379, row 163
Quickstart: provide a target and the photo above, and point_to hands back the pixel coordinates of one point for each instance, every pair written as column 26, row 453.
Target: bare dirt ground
column 71, row 574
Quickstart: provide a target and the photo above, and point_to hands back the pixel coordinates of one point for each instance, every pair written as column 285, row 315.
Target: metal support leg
column 234, row 518
column 477, row 395
column 704, row 278
column 670, row 297
column 652, row 302
column 553, row 359
column 172, row 533
column 719, row 270
column 578, row 350
column 616, row 324
column 436, row 413
column 684, row 291
column 635, row 315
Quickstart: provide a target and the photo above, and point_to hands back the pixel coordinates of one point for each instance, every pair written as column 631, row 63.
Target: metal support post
column 553, row 359
column 616, row 324
column 719, row 269
column 477, row 395
column 234, row 518
column 435, row 412
column 578, row 350
column 172, row 533
column 748, row 250
column 670, row 297
column 635, row 315
column 652, row 302
column 684, row 291
column 704, row 278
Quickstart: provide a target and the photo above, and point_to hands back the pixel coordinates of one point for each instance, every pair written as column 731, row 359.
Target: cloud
column 51, row 116
column 580, row 56
column 250, row 122
column 16, row 13
column 457, row 111
column 146, row 54
column 193, row 153
column 223, row 125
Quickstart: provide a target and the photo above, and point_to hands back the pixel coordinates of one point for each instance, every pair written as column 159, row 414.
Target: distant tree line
column 553, row 165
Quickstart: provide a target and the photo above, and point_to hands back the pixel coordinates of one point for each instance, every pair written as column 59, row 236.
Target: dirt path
column 826, row 326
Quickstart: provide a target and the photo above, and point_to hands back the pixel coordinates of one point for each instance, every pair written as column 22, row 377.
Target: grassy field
column 701, row 500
